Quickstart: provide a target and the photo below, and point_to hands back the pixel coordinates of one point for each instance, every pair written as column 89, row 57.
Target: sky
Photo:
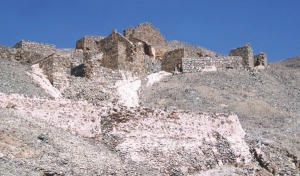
column 272, row 26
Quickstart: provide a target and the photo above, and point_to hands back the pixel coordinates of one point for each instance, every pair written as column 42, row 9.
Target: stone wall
column 220, row 63
column 19, row 55
column 146, row 32
column 172, row 60
column 40, row 48
column 153, row 65
column 93, row 71
column 246, row 53
column 88, row 43
column 47, row 65
column 55, row 67
column 260, row 59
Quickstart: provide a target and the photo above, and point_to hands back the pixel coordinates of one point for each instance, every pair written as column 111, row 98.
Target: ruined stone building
column 139, row 51
column 249, row 60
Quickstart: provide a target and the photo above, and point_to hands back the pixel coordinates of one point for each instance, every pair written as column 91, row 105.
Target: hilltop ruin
column 139, row 51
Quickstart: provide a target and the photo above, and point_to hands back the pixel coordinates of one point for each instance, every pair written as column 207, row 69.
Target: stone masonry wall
column 246, row 53
column 260, row 59
column 40, row 48
column 172, row 60
column 48, row 67
column 55, row 68
column 94, row 71
column 146, row 32
column 89, row 43
column 19, row 55
column 110, row 49
column 221, row 63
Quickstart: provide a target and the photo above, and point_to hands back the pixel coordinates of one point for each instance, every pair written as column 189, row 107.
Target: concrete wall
column 221, row 63
column 246, row 53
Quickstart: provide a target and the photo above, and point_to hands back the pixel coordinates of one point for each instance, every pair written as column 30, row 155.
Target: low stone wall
column 40, row 48
column 222, row 62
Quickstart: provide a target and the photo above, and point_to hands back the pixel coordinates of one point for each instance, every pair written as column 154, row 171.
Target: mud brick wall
column 260, row 59
column 146, row 32
column 89, row 43
column 40, row 48
column 221, row 63
column 246, row 53
column 171, row 60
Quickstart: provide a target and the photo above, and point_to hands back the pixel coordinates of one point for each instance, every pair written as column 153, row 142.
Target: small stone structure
column 146, row 32
column 249, row 60
column 246, row 53
column 172, row 60
column 88, row 43
column 260, row 59
column 117, row 52
column 40, row 48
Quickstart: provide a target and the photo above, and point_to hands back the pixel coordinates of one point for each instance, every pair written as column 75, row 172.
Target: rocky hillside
column 207, row 123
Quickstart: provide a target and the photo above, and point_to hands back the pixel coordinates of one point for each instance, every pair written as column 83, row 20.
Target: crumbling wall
column 89, row 43
column 19, row 55
column 40, row 48
column 94, row 71
column 260, row 59
column 153, row 65
column 220, row 63
column 172, row 60
column 54, row 67
column 47, row 65
column 146, row 32
column 143, row 47
column 246, row 53
column 110, row 49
